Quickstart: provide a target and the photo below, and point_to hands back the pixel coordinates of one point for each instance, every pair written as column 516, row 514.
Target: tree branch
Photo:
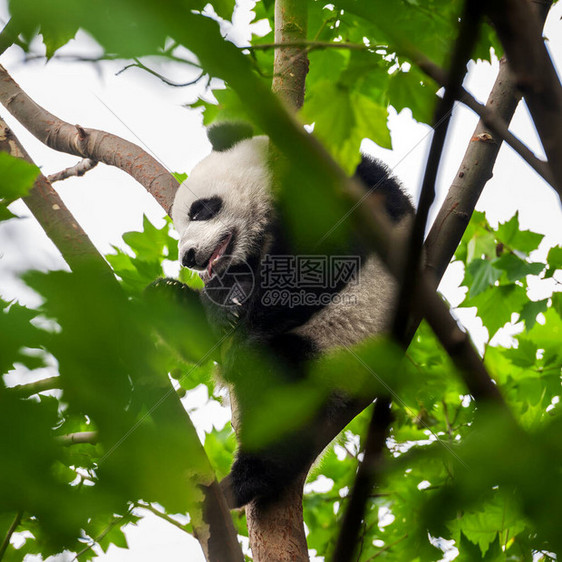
column 492, row 120
column 88, row 143
column 78, row 438
column 54, row 217
column 519, row 30
column 32, row 388
column 290, row 66
column 491, row 117
column 85, row 165
column 164, row 516
column 474, row 171
column 216, row 532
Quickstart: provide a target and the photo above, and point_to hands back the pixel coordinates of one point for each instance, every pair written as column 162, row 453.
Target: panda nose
column 188, row 259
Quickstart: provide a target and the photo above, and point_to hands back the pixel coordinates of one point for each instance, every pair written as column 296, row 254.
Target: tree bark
column 276, row 531
column 519, row 30
column 54, row 216
column 475, row 170
column 290, row 65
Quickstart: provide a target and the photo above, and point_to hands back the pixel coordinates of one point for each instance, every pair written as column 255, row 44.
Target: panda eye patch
column 205, row 209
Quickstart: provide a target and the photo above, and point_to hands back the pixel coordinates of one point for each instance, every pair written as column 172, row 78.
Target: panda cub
column 231, row 234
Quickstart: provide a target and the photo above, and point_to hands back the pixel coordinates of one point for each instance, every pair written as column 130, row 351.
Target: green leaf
column 180, row 176
column 497, row 304
column 524, row 355
column 524, row 241
column 554, row 260
column 557, row 302
column 371, row 119
column 530, row 311
column 228, row 108
column 16, row 177
column 224, row 8
column 220, row 447
column 5, row 213
column 411, row 90
column 330, row 108
column 498, row 516
column 484, row 275
column 516, row 268
column 56, row 36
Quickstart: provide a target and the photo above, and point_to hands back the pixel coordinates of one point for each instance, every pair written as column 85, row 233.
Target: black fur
column 378, row 178
column 225, row 135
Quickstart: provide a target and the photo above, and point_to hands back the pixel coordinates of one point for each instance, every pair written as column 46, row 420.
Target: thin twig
column 85, row 165
column 54, row 217
column 31, row 388
column 142, row 66
column 386, row 548
column 185, row 528
column 12, row 528
column 116, row 521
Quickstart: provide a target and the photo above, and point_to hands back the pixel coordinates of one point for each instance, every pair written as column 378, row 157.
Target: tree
column 457, row 454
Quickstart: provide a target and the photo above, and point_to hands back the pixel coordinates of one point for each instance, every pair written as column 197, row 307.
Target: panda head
column 223, row 210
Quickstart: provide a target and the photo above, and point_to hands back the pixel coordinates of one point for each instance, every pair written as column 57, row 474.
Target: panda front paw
column 250, row 478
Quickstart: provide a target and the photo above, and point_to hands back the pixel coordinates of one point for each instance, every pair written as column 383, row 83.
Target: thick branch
column 88, row 143
column 475, row 170
column 216, row 532
column 276, row 530
column 519, row 30
column 291, row 64
column 473, row 174
column 54, row 217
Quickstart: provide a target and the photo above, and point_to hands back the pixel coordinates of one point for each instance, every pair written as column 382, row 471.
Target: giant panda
column 229, row 228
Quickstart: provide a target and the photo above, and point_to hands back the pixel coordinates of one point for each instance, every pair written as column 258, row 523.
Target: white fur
column 239, row 176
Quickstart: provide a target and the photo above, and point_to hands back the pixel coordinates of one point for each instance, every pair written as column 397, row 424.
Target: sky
column 107, row 202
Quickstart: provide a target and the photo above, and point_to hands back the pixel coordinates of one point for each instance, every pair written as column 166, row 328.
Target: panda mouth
column 216, row 256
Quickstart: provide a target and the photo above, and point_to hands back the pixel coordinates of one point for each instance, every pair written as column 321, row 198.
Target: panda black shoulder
column 378, row 179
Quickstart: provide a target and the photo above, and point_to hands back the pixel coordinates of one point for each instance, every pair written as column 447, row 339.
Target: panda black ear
column 229, row 133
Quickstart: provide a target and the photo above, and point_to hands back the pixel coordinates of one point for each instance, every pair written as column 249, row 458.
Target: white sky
column 138, row 107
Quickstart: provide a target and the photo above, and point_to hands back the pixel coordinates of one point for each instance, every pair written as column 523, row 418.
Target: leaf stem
column 11, row 530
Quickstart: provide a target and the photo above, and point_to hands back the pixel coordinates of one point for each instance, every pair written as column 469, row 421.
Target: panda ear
column 229, row 133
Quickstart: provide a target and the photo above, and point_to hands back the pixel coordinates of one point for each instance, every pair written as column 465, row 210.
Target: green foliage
column 497, row 266
column 111, row 366
column 17, row 178
column 456, row 471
